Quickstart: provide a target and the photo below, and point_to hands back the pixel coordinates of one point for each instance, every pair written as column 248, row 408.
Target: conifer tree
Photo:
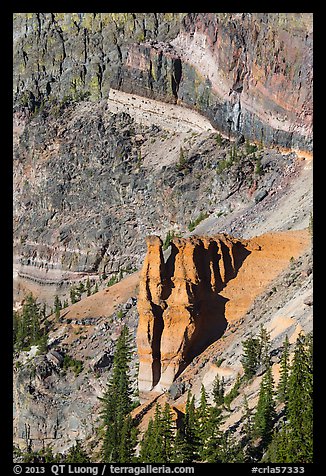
column 248, row 431
column 77, row 454
column 251, row 356
column 265, row 414
column 264, row 348
column 157, row 443
column 211, row 451
column 218, row 390
column 179, row 447
column 88, row 287
column 27, row 325
column 292, row 443
column 128, row 441
column 73, row 295
column 279, row 450
column 202, row 422
column 117, row 401
column 300, row 401
column 189, row 432
column 146, row 445
column 167, row 434
column 229, row 451
column 57, row 306
column 283, row 386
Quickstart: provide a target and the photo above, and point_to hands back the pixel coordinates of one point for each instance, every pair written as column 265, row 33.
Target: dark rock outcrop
column 250, row 73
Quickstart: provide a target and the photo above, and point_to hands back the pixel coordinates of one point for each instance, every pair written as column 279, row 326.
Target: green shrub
column 258, row 167
column 113, row 280
column 233, row 393
column 250, row 148
column 182, row 164
column 192, row 225
column 75, row 365
column 169, row 237
column 218, row 139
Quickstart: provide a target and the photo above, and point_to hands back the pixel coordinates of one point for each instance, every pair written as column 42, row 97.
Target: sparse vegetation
column 250, row 148
column 233, row 393
column 182, row 163
column 218, row 139
column 224, row 164
column 75, row 365
column 258, row 167
column 256, row 353
column 169, row 237
column 27, row 328
column 192, row 224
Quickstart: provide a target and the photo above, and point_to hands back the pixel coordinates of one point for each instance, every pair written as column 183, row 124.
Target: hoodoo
column 180, row 309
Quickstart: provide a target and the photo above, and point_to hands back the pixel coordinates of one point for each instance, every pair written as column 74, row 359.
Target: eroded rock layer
column 249, row 73
column 181, row 310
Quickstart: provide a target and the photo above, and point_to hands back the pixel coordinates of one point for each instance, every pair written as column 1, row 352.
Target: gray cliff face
column 89, row 187
column 250, row 74
column 89, row 184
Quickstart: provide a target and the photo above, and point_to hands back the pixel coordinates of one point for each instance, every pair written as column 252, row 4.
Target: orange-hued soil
column 270, row 255
column 104, row 302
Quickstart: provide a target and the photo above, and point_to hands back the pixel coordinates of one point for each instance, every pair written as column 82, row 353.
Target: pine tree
column 247, row 429
column 202, row 422
column 251, row 356
column 300, row 401
column 77, row 454
column 128, row 441
column 73, row 295
column 27, row 325
column 117, row 401
column 211, row 450
column 167, row 434
column 190, row 431
column 57, row 306
column 88, row 287
column 146, row 445
column 157, row 444
column 179, row 447
column 278, row 450
column 218, row 391
column 264, row 348
column 229, row 451
column 283, row 386
column 95, row 288
column 265, row 414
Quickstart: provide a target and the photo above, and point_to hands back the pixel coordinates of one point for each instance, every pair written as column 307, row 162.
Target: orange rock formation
column 186, row 302
column 181, row 310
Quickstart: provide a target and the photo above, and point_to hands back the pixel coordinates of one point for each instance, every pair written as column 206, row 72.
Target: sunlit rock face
column 180, row 309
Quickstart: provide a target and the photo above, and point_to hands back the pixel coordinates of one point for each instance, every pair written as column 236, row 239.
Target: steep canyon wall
column 249, row 73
